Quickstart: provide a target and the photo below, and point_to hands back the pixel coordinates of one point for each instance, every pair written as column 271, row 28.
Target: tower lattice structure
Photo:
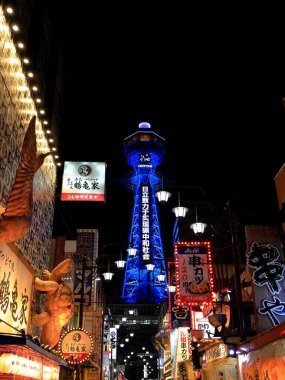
column 144, row 151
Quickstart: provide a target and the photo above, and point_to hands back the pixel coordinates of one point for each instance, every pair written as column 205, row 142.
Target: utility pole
column 236, row 257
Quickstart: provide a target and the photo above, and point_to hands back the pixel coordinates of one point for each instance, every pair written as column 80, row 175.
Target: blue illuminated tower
column 144, row 151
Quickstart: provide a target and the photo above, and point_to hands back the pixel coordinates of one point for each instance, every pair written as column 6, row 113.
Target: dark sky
column 212, row 88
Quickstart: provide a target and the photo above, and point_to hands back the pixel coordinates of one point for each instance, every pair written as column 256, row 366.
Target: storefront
column 219, row 362
column 263, row 356
column 22, row 359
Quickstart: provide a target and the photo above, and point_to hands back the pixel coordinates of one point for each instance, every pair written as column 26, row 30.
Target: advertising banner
column 85, row 257
column 83, row 181
column 75, row 346
column 179, row 316
column 266, row 264
column 183, row 344
column 113, row 341
column 193, row 273
column 16, row 289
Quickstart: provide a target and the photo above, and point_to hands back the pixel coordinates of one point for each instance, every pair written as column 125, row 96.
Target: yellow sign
column 16, row 289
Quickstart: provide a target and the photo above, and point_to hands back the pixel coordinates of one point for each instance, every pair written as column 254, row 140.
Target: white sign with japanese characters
column 83, row 181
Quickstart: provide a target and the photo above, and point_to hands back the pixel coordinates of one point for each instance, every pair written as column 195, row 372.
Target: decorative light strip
column 12, row 66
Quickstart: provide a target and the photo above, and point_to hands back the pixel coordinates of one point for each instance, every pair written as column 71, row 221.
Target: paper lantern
column 6, row 362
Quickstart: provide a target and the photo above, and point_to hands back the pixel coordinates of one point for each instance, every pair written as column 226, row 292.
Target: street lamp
column 180, row 211
column 162, row 195
column 132, row 251
column 222, row 232
column 198, row 227
column 108, row 275
column 120, row 263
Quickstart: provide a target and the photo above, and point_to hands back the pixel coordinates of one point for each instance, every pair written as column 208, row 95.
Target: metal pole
column 82, row 293
column 81, row 307
column 236, row 257
column 102, row 345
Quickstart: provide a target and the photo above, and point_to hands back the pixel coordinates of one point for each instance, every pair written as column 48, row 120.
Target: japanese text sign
column 15, row 291
column 193, row 278
column 83, row 181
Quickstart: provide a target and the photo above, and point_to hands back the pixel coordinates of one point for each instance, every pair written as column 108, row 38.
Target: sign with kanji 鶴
column 75, row 346
column 193, row 266
column 83, row 181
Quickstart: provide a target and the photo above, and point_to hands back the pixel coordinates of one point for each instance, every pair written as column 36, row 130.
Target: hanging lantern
column 132, row 251
column 150, row 267
column 162, row 196
column 171, row 288
column 198, row 227
column 108, row 275
column 161, row 277
column 180, row 211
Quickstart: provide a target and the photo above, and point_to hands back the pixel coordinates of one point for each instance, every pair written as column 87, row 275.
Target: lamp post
column 120, row 264
column 236, row 257
column 221, row 236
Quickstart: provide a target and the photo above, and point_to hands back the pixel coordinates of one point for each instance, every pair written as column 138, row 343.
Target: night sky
column 214, row 90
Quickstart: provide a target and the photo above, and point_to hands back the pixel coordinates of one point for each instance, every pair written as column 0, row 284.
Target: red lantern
column 197, row 374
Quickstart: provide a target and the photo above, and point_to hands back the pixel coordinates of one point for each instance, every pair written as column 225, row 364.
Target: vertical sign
column 145, row 207
column 194, row 270
column 83, row 181
column 266, row 263
column 113, row 341
column 86, row 252
column 183, row 344
column 179, row 315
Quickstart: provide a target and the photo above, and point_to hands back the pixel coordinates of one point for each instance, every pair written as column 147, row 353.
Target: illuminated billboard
column 194, row 273
column 16, row 290
column 83, row 181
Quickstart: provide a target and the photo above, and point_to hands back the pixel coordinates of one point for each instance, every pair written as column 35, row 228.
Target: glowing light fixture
column 120, row 263
column 161, row 277
column 162, row 195
column 150, row 267
column 198, row 227
column 132, row 251
column 171, row 288
column 108, row 275
column 180, row 211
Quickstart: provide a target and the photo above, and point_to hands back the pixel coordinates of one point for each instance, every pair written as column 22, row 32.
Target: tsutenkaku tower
column 144, row 151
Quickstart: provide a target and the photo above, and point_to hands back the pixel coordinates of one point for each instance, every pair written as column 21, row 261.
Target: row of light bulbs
column 9, row 11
